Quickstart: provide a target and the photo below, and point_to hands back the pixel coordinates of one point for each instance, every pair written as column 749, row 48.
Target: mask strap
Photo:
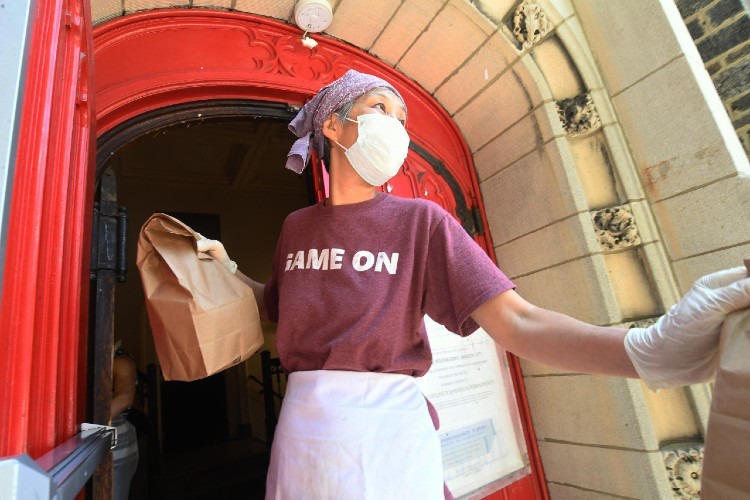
column 342, row 147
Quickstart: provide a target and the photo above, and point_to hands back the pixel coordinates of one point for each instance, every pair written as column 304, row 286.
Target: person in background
column 124, row 377
column 353, row 278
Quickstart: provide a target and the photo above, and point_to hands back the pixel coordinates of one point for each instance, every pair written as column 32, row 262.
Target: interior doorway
column 219, row 167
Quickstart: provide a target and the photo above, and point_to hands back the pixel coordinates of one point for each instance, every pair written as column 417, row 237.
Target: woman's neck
column 346, row 186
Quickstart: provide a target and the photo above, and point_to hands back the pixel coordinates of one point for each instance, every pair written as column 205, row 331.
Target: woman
column 125, row 453
column 352, row 279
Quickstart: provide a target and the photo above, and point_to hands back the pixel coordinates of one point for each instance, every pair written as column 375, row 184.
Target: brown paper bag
column 725, row 474
column 203, row 318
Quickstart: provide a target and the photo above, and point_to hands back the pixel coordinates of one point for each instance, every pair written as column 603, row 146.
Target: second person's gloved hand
column 680, row 349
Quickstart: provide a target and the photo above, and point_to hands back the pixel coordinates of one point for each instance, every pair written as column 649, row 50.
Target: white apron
column 352, row 435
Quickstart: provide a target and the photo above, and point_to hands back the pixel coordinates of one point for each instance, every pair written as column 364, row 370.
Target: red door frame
column 43, row 315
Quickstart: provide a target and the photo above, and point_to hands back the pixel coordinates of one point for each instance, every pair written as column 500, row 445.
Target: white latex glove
column 215, row 249
column 681, row 348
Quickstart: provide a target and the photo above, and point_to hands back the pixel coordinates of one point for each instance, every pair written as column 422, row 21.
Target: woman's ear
column 331, row 127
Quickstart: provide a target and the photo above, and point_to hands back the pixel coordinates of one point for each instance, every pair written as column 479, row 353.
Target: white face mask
column 380, row 149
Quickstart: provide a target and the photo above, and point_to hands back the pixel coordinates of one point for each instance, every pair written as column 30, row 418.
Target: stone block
column 494, row 110
column 579, row 288
column 531, row 369
column 660, row 271
column 647, row 229
column 610, row 409
column 558, row 70
column 700, row 396
column 742, row 104
column 689, row 7
column 695, row 27
column 495, row 10
column 574, row 39
column 629, row 184
column 631, row 286
column 214, row 4
column 136, row 5
column 714, row 68
column 526, row 135
column 741, row 122
column 552, row 245
column 690, row 269
column 624, row 58
column 468, row 9
column 436, row 54
column 492, row 58
column 706, row 220
column 620, row 473
column 725, row 39
column 676, row 141
column 532, row 193
column 671, row 415
column 410, row 21
column 724, row 10
column 557, row 11
column 738, row 54
column 595, row 170
column 360, row 22
column 283, row 9
column 104, row 10
column 734, row 80
column 568, row 492
column 533, row 80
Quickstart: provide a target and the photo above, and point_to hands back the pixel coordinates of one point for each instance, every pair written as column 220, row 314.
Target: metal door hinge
column 109, row 249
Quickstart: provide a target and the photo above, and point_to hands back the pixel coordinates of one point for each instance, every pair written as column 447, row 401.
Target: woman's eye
column 381, row 106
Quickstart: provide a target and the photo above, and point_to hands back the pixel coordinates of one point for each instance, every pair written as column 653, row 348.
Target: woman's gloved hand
column 681, row 348
column 215, row 249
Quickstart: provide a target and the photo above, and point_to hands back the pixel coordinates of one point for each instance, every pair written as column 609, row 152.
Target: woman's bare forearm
column 258, row 291
column 554, row 339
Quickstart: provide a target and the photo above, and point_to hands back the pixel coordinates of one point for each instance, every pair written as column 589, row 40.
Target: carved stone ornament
column 615, row 228
column 530, row 23
column 578, row 114
column 684, row 462
column 642, row 323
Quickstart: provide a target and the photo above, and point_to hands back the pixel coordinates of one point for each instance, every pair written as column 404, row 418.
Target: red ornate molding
column 165, row 57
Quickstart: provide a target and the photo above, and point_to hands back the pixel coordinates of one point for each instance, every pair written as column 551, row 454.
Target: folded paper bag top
column 203, row 318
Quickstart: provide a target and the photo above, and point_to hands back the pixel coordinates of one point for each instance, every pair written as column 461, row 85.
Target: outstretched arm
column 552, row 338
column 679, row 349
column 259, row 290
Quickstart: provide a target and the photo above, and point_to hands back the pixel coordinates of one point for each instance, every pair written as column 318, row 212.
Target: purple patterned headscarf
column 308, row 124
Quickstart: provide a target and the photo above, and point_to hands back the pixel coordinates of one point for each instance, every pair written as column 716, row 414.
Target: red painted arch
column 223, row 55
column 228, row 55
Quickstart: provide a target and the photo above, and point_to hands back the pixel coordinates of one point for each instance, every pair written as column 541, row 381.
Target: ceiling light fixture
column 312, row 16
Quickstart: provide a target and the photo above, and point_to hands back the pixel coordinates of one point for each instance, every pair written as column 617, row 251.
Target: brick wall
column 721, row 30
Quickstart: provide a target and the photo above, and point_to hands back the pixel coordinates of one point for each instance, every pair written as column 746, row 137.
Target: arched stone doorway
column 506, row 72
column 245, row 59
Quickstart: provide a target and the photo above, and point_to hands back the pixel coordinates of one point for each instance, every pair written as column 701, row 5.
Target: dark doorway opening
column 219, row 167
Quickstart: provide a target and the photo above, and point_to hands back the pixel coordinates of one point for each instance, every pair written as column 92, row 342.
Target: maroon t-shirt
column 352, row 283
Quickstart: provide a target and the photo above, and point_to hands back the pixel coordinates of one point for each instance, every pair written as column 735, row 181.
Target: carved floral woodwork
column 271, row 52
column 615, row 228
column 530, row 23
column 684, row 462
column 578, row 115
